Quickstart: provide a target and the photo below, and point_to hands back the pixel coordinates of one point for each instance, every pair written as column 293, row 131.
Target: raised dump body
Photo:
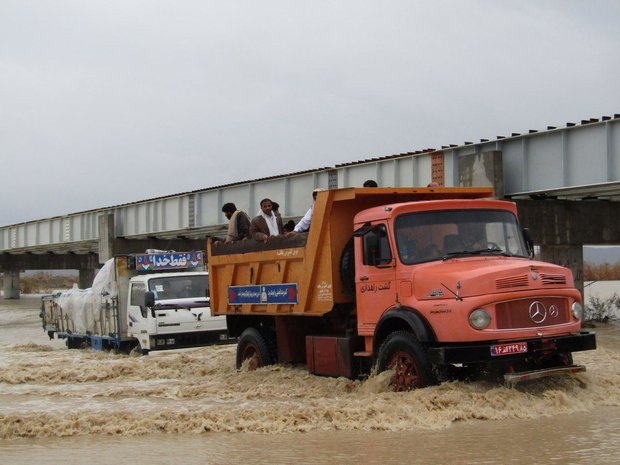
column 428, row 281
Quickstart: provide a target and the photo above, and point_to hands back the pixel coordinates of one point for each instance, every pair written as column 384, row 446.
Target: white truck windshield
column 179, row 287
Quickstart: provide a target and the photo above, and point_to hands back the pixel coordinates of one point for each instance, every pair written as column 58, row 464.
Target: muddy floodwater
column 61, row 406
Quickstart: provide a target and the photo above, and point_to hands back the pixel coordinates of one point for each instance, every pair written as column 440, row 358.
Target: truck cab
column 178, row 314
column 459, row 273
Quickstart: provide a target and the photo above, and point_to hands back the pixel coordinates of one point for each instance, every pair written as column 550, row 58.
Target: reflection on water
column 58, row 405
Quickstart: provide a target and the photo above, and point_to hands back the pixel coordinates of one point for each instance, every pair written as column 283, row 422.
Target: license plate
column 507, row 349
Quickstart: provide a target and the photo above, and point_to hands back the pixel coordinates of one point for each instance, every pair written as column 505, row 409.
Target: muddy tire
column 347, row 269
column 403, row 352
column 253, row 347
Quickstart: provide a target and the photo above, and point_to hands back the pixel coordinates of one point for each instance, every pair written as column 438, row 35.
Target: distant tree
column 603, row 272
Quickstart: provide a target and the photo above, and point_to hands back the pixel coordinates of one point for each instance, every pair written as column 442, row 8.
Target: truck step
column 511, row 379
column 362, row 354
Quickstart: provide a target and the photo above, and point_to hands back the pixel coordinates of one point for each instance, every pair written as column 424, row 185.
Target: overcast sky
column 108, row 102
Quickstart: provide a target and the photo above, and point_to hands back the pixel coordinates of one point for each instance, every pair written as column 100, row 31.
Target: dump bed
column 301, row 275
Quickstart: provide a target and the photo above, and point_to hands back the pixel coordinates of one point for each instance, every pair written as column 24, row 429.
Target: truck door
column 140, row 320
column 374, row 277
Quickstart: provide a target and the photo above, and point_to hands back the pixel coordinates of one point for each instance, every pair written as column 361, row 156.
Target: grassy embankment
column 42, row 283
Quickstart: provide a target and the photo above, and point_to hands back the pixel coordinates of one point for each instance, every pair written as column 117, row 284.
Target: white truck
column 144, row 302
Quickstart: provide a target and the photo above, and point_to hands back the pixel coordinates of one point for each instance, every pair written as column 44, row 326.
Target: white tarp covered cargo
column 82, row 307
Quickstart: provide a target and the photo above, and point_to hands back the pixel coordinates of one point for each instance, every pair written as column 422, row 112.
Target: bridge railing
column 77, row 227
column 201, row 209
column 575, row 155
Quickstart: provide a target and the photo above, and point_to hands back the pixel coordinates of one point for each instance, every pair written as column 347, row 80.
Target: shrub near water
column 602, row 309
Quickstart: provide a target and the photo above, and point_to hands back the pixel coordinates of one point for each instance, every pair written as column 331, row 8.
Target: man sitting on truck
column 239, row 223
column 304, row 223
column 267, row 223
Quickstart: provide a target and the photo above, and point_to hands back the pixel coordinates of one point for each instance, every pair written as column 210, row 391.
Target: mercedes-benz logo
column 554, row 311
column 538, row 312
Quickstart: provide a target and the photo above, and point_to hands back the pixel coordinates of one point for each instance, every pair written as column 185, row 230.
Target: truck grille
column 552, row 279
column 516, row 313
column 512, row 281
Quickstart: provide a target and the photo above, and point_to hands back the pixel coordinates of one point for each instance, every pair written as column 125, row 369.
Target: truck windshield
column 179, row 287
column 438, row 235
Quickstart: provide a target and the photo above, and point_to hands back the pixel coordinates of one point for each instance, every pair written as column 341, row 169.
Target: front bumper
column 478, row 353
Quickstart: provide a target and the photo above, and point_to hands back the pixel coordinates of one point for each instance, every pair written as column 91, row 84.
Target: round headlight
column 577, row 310
column 479, row 318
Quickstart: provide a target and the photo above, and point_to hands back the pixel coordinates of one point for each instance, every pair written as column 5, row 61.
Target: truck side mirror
column 529, row 243
column 149, row 299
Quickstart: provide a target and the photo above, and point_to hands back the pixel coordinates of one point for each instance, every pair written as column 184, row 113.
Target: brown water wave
column 429, row 409
column 67, row 392
column 73, row 366
column 30, row 347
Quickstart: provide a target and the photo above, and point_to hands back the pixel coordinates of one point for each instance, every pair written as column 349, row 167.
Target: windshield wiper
column 492, row 251
column 181, row 305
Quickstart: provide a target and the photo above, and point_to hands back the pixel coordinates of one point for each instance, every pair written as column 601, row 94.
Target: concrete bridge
column 565, row 180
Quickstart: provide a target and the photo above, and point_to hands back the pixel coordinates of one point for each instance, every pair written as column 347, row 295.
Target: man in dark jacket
column 239, row 224
column 267, row 223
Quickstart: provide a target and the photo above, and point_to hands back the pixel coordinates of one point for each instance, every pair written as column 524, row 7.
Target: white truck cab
column 178, row 314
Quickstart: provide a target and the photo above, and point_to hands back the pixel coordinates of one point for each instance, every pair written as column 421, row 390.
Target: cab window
column 137, row 297
column 377, row 251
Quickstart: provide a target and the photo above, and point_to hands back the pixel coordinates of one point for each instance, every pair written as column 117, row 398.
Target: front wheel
column 403, row 353
column 252, row 347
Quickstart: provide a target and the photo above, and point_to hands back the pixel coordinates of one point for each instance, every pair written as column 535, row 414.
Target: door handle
column 363, row 278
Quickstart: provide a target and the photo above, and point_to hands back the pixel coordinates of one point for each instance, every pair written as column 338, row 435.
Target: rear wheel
column 403, row 353
column 253, row 349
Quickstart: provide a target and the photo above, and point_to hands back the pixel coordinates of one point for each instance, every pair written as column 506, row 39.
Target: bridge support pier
column 85, row 277
column 569, row 256
column 106, row 237
column 11, row 284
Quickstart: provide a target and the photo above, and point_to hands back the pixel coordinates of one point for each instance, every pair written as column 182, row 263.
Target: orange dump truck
column 430, row 282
